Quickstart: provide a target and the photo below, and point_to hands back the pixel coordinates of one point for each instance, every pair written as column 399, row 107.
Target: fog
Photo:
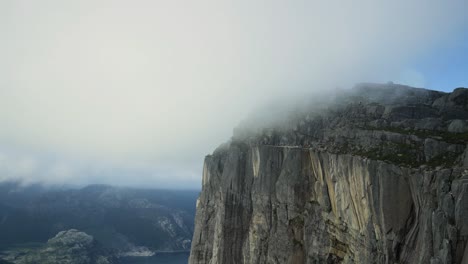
column 138, row 92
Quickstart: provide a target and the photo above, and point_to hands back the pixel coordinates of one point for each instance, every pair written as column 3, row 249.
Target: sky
column 136, row 93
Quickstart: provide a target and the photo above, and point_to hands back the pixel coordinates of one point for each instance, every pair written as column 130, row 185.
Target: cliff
column 377, row 174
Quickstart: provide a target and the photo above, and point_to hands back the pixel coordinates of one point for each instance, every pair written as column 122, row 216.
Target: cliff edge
column 377, row 174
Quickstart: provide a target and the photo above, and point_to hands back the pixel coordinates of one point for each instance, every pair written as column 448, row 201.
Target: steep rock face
column 379, row 179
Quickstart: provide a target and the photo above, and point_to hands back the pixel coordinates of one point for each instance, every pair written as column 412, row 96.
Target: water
column 160, row 258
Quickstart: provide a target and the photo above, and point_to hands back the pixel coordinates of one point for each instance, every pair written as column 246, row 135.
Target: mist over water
column 137, row 93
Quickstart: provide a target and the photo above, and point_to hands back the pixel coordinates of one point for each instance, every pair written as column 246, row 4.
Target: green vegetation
column 449, row 137
column 447, row 159
column 396, row 153
column 407, row 155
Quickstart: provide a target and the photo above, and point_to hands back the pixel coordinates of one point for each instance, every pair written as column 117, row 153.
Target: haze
column 138, row 92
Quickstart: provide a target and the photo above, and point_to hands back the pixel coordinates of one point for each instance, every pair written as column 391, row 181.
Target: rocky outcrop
column 378, row 175
column 67, row 247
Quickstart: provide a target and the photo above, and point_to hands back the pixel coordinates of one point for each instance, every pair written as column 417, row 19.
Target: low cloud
column 148, row 88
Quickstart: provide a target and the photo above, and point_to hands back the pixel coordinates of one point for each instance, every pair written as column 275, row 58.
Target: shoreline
column 156, row 253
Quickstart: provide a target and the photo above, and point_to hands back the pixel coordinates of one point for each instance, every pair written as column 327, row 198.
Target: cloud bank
column 139, row 91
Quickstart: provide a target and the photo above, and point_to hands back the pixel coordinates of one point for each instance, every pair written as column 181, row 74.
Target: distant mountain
column 128, row 220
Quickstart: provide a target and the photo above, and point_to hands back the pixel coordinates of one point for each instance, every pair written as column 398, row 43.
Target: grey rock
column 433, row 148
column 67, row 247
column 341, row 185
column 465, row 256
column 465, row 158
column 461, row 206
column 458, row 126
column 428, row 124
column 459, row 96
column 70, row 238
